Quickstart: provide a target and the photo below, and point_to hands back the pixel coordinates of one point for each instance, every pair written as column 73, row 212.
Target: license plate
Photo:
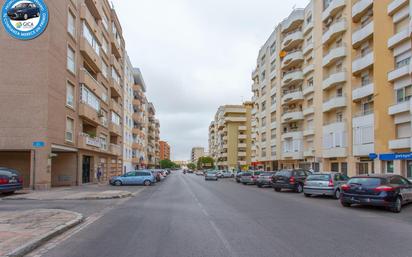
column 13, row 180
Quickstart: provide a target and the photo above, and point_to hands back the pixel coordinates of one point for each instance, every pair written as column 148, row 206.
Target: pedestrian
column 99, row 174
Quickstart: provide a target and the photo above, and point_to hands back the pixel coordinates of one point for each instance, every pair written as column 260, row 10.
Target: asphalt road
column 186, row 216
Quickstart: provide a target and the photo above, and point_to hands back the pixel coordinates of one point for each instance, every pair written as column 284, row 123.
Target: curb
column 129, row 194
column 33, row 244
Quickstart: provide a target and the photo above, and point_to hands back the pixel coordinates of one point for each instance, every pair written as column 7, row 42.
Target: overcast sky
column 196, row 55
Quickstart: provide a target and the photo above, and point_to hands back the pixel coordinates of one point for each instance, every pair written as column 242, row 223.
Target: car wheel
column 397, row 207
column 117, row 183
column 25, row 16
column 244, row 183
column 259, row 185
column 147, row 183
column 307, row 195
column 8, row 193
column 345, row 204
column 337, row 194
column 277, row 189
column 299, row 189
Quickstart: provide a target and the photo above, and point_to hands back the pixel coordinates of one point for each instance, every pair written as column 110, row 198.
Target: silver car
column 324, row 183
column 211, row 175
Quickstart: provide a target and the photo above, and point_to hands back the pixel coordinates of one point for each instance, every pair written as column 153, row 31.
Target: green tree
column 205, row 163
column 167, row 164
column 191, row 166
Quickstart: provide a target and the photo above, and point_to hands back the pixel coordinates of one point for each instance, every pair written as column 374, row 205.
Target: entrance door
column 409, row 169
column 86, row 169
column 334, row 166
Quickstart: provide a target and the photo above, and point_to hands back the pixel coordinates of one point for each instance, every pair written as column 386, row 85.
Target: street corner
column 23, row 231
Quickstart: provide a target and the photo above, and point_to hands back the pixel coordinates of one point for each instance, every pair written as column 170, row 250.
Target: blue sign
column 373, row 156
column 38, row 144
column 395, row 156
column 25, row 19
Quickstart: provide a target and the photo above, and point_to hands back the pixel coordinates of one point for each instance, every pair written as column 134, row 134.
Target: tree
column 167, row 164
column 191, row 166
column 205, row 162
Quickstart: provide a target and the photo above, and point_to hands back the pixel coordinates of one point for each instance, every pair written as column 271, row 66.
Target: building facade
column 196, row 153
column 230, row 137
column 164, row 150
column 65, row 116
column 128, row 112
column 332, row 89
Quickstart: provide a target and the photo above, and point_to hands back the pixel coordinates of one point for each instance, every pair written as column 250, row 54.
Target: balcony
column 334, row 80
column 292, row 40
column 242, row 128
column 399, row 38
column 235, row 119
column 309, row 152
column 362, row 91
column 255, row 86
column 232, row 109
column 363, row 150
column 363, row 119
column 273, row 74
column 87, row 16
column 137, row 117
column 90, row 55
column 336, row 29
column 294, row 20
column 293, row 155
column 399, row 72
column 292, row 77
column 115, row 64
column 364, row 61
column 308, row 69
column 308, row 111
column 309, row 132
column 91, row 83
column 95, row 7
column 334, row 7
column 292, row 59
column 88, row 143
column 292, row 96
column 308, row 48
column 115, row 149
column 273, row 108
column 308, row 90
column 114, row 106
column 273, row 125
column 334, row 55
column 335, row 152
column 294, row 134
column 400, row 108
column 116, row 89
column 360, row 8
column 115, row 129
column 88, row 113
column 241, row 154
column 242, row 145
column 396, row 5
column 292, row 116
column 401, row 143
column 308, row 28
column 242, row 137
column 362, row 34
column 334, row 103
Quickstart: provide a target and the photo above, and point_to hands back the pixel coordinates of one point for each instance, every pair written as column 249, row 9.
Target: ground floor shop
column 56, row 166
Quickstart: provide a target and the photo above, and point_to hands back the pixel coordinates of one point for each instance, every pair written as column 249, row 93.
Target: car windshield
column 318, row 177
column 246, row 174
column 266, row 174
column 285, row 173
column 369, row 182
column 22, row 5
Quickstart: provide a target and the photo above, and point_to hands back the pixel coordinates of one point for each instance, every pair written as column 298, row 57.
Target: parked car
column 265, row 179
column 211, row 175
column 390, row 191
column 324, row 183
column 290, row 179
column 249, row 178
column 199, row 173
column 24, row 11
column 238, row 176
column 10, row 181
column 138, row 177
column 227, row 174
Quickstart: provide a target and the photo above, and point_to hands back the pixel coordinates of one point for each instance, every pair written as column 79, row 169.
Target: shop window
column 389, row 167
column 362, row 168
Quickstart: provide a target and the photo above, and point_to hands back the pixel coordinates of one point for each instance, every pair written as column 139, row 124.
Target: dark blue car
column 24, row 11
column 10, row 180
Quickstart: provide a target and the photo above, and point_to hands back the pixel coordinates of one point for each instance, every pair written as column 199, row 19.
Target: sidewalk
column 22, row 231
column 88, row 192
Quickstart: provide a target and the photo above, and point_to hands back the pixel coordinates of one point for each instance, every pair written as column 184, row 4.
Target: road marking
column 218, row 232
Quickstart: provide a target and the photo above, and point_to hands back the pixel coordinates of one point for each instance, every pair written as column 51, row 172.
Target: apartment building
column 329, row 95
column 230, row 137
column 64, row 118
column 196, row 153
column 152, row 126
column 128, row 112
column 164, row 150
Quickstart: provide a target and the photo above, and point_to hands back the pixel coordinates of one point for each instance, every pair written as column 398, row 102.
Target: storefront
column 396, row 163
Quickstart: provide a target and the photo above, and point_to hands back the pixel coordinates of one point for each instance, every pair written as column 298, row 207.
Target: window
column 273, row 134
column 263, row 106
column 365, row 79
column 105, row 21
column 263, row 137
column 89, row 98
column 263, row 121
column 273, row 100
column 103, row 142
column 70, row 95
column 115, row 118
column 90, row 37
column 69, row 129
column 273, row 150
column 389, row 167
column 105, row 68
column 71, row 24
column 310, row 82
column 105, row 45
column 339, row 117
column 362, row 168
column 71, row 64
column 339, row 92
column 115, row 76
column 404, row 94
column 273, row 48
column 403, row 130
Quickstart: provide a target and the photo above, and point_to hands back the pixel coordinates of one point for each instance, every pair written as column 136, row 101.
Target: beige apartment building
column 196, row 153
column 230, row 137
column 62, row 97
column 152, row 129
column 332, row 89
